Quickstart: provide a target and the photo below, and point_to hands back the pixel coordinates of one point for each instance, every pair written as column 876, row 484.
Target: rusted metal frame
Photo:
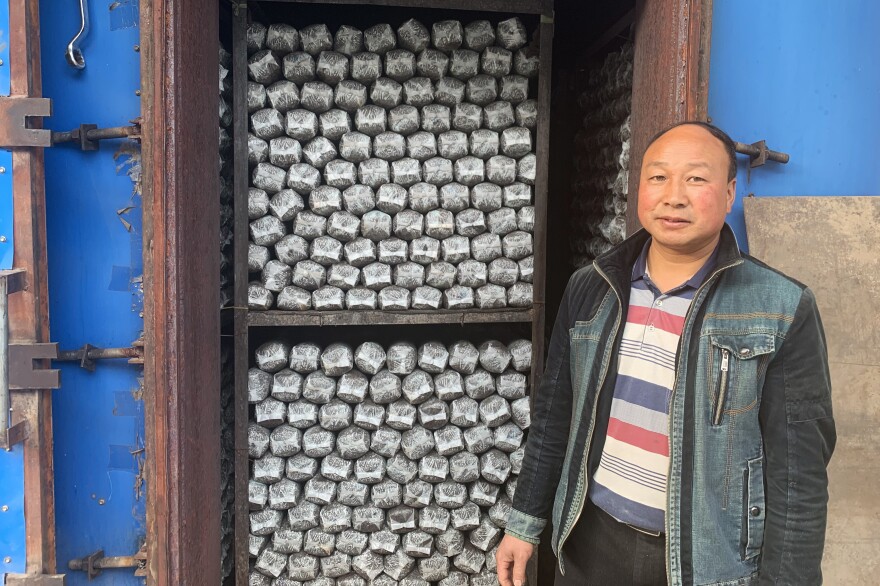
column 510, row 6
column 28, row 309
column 240, row 280
column 182, row 324
column 670, row 76
column 379, row 317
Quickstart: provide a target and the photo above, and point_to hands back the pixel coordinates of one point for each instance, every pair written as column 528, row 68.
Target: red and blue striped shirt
column 630, row 482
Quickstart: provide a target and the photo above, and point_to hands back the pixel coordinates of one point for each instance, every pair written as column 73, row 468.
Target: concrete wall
column 804, row 75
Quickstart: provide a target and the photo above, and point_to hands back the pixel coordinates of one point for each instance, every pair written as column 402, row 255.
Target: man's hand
column 511, row 559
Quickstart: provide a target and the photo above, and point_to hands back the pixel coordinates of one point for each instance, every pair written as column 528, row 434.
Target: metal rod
column 754, row 151
column 97, row 134
column 122, row 561
column 4, row 359
column 115, row 132
column 97, row 354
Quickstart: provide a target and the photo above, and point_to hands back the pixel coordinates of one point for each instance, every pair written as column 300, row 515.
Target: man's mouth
column 673, row 220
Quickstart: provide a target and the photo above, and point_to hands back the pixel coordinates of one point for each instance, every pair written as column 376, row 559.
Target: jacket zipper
column 580, row 491
column 687, row 319
column 721, row 398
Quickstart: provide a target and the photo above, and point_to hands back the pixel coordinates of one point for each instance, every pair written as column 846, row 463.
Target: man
column 683, row 424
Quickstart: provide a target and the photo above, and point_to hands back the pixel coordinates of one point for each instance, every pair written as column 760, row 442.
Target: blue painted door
column 95, row 263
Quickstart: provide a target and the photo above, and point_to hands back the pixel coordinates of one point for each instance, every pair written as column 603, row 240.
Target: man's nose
column 675, row 194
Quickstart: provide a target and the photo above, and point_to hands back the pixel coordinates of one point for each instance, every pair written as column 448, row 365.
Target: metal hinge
column 18, row 370
column 94, row 563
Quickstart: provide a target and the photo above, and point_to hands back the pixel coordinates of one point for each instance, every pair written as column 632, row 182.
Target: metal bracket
column 14, row 131
column 88, row 135
column 760, row 154
column 94, row 563
column 24, row 375
column 14, row 435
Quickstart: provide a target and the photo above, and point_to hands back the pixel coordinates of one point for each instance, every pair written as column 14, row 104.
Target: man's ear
column 731, row 194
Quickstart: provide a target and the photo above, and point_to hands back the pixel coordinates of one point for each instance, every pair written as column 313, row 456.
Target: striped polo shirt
column 630, row 482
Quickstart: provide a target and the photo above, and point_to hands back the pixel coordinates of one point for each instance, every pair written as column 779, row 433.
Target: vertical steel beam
column 28, row 309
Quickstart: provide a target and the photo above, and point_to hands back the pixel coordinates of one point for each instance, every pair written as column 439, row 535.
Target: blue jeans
column 604, row 552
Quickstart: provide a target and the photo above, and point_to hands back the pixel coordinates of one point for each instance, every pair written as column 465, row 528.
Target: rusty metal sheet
column 831, row 244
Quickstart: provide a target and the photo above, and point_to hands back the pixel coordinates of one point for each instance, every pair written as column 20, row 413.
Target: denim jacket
column 747, row 486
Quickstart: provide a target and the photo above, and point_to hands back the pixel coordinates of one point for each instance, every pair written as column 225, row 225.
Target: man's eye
column 658, row 178
column 697, row 179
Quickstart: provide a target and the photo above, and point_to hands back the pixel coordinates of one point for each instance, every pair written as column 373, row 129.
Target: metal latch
column 87, row 355
column 88, row 135
column 94, row 563
column 15, row 132
column 759, row 153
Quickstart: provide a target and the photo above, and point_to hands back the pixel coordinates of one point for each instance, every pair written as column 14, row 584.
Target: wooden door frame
column 179, row 64
column 670, row 76
column 179, row 41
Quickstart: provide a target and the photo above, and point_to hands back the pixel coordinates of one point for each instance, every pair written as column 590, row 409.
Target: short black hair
column 722, row 136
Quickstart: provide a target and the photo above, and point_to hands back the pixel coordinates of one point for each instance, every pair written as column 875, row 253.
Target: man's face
column 684, row 194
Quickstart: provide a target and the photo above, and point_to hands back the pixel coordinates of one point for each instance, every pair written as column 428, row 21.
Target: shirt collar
column 640, row 268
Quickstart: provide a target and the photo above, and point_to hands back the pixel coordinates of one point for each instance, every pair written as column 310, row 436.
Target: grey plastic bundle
column 481, row 90
column 303, row 178
column 332, row 67
column 470, row 222
column 268, row 177
column 349, row 40
column 374, row 172
column 526, row 114
column 393, row 251
column 467, row 117
column 276, row 275
column 454, row 197
column 514, row 89
column 516, row 141
column 389, row 146
column 284, row 151
column 379, row 39
column 298, row 67
column 258, row 256
column 259, row 298
column 316, row 96
column 469, row 171
column 403, row 119
column 449, row 91
column 386, row 93
column 418, row 91
column 263, row 67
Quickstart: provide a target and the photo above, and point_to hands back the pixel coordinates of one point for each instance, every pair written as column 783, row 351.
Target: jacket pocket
column 737, row 364
column 752, row 530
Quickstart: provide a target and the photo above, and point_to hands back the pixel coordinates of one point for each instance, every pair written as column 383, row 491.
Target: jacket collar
column 617, row 263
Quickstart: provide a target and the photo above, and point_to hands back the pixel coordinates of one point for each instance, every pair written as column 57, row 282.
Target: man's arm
column 799, row 437
column 548, row 435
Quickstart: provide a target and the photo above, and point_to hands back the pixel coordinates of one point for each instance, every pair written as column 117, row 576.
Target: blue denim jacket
column 749, row 444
